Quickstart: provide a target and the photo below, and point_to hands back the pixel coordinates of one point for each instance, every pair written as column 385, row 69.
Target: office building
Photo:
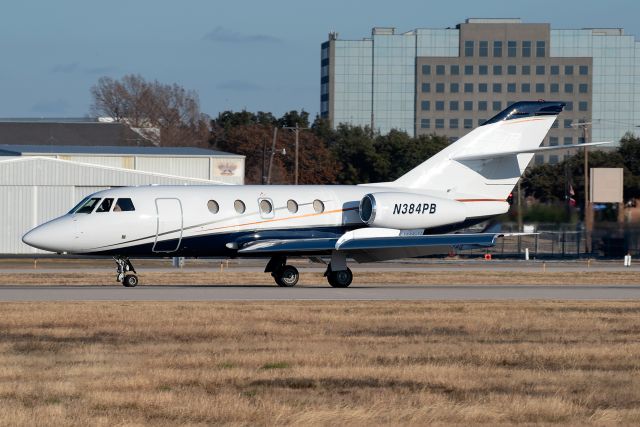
column 448, row 81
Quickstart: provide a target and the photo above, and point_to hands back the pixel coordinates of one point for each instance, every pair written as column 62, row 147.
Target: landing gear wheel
column 130, row 281
column 286, row 276
column 340, row 279
column 126, row 274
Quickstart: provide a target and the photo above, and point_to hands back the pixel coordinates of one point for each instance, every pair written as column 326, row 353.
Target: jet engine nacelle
column 405, row 211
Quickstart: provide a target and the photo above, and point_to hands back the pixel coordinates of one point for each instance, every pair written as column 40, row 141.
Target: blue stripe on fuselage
column 215, row 244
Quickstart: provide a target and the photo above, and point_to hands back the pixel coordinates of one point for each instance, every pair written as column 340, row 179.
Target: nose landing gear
column 126, row 273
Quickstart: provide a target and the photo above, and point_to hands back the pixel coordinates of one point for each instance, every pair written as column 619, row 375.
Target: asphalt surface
column 355, row 293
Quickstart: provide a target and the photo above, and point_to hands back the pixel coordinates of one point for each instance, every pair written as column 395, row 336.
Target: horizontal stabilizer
column 497, row 154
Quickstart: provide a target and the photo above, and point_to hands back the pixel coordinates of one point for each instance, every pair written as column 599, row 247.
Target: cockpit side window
column 124, row 205
column 88, row 206
column 105, row 206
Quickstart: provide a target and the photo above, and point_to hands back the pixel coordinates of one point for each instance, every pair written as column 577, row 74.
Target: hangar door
column 169, row 230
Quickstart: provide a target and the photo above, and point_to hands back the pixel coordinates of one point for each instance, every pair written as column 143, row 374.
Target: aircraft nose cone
column 46, row 236
column 36, row 238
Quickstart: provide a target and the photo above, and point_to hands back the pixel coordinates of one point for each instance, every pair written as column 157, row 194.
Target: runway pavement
column 355, row 293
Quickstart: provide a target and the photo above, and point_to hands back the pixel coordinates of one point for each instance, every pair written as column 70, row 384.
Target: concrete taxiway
column 355, row 293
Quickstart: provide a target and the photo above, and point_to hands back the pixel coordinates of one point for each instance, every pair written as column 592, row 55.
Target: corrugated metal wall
column 18, row 214
column 34, row 190
column 111, row 161
column 190, row 167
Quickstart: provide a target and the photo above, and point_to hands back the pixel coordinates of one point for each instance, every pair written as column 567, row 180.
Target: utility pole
column 273, row 153
column 296, row 129
column 588, row 211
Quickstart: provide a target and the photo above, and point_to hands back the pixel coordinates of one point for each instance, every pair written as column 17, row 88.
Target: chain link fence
column 557, row 241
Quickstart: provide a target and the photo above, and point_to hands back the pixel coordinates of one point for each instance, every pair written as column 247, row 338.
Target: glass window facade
column 381, row 81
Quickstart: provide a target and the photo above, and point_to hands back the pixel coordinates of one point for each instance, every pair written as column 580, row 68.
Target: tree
column 252, row 135
column 354, row 148
column 140, row 104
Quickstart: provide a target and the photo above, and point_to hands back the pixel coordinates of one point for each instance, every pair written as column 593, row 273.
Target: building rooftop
column 105, row 150
column 85, row 132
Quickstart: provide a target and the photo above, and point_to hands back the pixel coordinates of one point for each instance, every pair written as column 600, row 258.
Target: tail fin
column 488, row 161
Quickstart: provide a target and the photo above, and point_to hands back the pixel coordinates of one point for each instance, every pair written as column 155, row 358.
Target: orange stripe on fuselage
column 281, row 219
column 480, row 200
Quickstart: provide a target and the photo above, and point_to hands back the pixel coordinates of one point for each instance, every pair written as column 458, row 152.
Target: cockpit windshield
column 76, row 207
column 88, row 206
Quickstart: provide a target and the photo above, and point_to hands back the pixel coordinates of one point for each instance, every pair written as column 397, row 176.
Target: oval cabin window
column 239, row 206
column 318, row 206
column 265, row 206
column 213, row 206
column 292, row 206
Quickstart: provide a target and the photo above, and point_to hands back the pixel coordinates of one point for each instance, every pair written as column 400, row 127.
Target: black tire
column 130, row 281
column 286, row 276
column 340, row 279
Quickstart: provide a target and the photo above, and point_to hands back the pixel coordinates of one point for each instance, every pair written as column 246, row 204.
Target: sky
column 253, row 55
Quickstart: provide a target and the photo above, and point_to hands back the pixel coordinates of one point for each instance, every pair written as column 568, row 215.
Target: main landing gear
column 338, row 274
column 284, row 275
column 126, row 273
column 339, row 279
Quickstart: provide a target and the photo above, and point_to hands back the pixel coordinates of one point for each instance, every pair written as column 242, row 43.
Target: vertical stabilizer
column 500, row 150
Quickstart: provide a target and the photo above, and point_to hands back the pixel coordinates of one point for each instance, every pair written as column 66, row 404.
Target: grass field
column 319, row 363
column 232, row 278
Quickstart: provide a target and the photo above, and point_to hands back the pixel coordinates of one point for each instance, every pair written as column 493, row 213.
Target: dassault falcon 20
column 466, row 183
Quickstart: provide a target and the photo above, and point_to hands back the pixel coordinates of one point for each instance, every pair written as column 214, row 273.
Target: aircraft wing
column 378, row 248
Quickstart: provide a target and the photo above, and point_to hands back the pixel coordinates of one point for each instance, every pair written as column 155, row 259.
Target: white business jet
column 464, row 184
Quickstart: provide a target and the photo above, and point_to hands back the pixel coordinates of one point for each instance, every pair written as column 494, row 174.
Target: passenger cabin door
column 169, row 230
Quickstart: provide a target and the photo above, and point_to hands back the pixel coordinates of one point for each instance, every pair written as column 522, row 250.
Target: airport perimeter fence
column 553, row 241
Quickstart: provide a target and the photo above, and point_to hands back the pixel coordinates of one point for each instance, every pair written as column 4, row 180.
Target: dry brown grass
column 319, row 363
column 233, row 278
